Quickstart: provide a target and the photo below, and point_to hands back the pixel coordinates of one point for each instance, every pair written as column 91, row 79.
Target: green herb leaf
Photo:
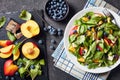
column 11, row 36
column 42, row 62
column 16, row 48
column 35, row 72
column 25, row 15
column 2, row 21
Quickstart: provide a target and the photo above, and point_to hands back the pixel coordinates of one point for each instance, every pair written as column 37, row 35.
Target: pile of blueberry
column 57, row 9
column 53, row 31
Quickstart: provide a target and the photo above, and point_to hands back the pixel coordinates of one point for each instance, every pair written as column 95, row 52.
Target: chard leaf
column 25, row 15
column 2, row 21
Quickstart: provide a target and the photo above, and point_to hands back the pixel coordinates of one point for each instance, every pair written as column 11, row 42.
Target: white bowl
column 66, row 42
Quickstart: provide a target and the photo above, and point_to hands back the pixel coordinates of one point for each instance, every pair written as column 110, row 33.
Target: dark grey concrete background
column 75, row 6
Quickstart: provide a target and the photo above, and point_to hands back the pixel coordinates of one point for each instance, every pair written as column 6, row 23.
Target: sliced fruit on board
column 6, row 49
column 4, row 43
column 10, row 68
column 30, row 29
column 16, row 55
column 30, row 52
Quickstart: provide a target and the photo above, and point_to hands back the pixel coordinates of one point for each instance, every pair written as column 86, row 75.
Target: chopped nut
column 18, row 35
column 12, row 26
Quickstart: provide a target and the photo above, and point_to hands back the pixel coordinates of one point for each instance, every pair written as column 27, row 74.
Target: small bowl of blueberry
column 57, row 10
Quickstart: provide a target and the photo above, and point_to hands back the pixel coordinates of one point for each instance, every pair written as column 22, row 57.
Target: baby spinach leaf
column 72, row 38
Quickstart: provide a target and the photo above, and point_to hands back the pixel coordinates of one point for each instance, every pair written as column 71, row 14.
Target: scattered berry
column 17, row 73
column 53, row 41
column 40, row 41
column 45, row 29
column 6, row 77
column 60, row 34
column 32, row 67
column 52, row 47
column 59, row 30
column 12, row 78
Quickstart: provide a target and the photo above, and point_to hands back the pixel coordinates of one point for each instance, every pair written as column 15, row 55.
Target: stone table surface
column 75, row 6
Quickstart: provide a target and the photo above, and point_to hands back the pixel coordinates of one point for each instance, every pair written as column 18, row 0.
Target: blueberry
column 98, row 49
column 17, row 73
column 61, row 16
column 60, row 0
column 32, row 67
column 49, row 27
column 59, row 30
column 52, row 47
column 58, row 4
column 64, row 12
column 105, row 34
column 20, row 65
column 6, row 77
column 40, row 41
column 74, row 31
column 52, row 7
column 51, row 2
column 65, row 6
column 53, row 41
column 65, row 9
column 63, row 2
column 59, row 33
column 60, row 8
column 54, row 17
column 12, row 78
column 45, row 29
column 49, row 11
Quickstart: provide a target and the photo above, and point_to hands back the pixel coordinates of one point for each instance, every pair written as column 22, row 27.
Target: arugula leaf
column 25, row 15
column 35, row 72
column 11, row 36
column 2, row 21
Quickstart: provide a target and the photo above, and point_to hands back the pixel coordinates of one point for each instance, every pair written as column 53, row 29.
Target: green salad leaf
column 11, row 36
column 97, row 41
column 25, row 15
column 2, row 21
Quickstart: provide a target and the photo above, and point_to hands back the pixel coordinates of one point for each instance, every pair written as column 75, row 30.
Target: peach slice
column 7, row 49
column 2, row 55
column 30, row 50
column 30, row 29
column 16, row 55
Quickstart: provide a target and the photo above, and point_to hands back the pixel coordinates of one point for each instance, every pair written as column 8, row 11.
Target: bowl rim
column 71, row 56
column 68, row 9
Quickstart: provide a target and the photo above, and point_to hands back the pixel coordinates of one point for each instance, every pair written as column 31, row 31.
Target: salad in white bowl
column 93, row 41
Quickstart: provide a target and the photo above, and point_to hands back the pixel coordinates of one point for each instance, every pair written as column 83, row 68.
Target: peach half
column 30, row 50
column 30, row 29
